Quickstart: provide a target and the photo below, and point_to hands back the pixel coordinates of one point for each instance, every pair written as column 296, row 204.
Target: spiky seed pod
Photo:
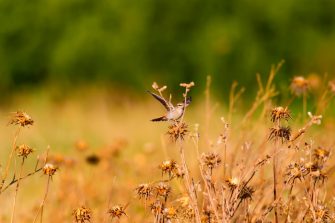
column 169, row 213
column 321, row 154
column 21, row 118
column 177, row 131
column 233, row 183
column 93, row 159
column 299, row 86
column 82, row 214
column 211, row 160
column 207, row 215
column 280, row 132
column 319, row 176
column 168, row 167
column 280, row 113
column 162, row 190
column 49, row 169
column 116, row 211
column 294, row 171
column 157, row 207
column 246, row 193
column 322, row 213
column 23, row 151
column 144, row 191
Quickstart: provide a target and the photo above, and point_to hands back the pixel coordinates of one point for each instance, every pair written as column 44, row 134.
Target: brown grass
column 108, row 163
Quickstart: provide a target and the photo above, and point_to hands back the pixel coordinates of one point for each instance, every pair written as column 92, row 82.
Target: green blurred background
column 133, row 43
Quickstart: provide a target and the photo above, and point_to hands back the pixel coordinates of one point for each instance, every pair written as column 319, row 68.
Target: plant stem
column 16, row 190
column 3, row 180
column 40, row 210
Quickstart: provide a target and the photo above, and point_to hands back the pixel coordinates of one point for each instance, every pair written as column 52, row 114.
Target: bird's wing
column 166, row 104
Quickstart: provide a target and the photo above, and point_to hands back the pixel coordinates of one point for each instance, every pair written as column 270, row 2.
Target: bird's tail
column 160, row 119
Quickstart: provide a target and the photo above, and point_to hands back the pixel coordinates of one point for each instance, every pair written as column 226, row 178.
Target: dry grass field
column 96, row 157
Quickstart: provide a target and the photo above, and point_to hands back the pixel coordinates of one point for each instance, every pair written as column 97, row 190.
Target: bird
column 174, row 113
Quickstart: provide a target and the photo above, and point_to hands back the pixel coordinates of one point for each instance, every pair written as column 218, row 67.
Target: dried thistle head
column 163, row 190
column 116, row 211
column 299, row 86
column 315, row 119
column 157, row 207
column 21, row 118
column 322, row 213
column 169, row 213
column 177, row 131
column 144, row 191
column 188, row 86
column 233, row 183
column 186, row 213
column 23, row 151
column 93, row 159
column 319, row 176
column 207, row 215
column 82, row 214
column 49, row 169
column 294, row 171
column 321, row 154
column 211, row 160
column 157, row 88
column 168, row 167
column 246, row 193
column 280, row 132
column 280, row 113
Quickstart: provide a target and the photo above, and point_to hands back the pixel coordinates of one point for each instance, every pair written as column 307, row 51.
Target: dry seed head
column 280, row 113
column 233, row 183
column 21, row 118
column 315, row 119
column 82, row 214
column 322, row 213
column 207, row 215
column 186, row 213
column 93, row 159
column 283, row 133
column 211, row 160
column 162, row 190
column 299, row 85
column 23, row 150
column 187, row 86
column 319, row 175
column 293, row 172
column 157, row 207
column 144, row 191
column 168, row 166
column 49, row 169
column 117, row 211
column 321, row 154
column 177, row 131
column 246, row 193
column 155, row 86
column 169, row 213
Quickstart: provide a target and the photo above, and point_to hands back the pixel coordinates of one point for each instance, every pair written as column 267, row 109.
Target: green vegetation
column 136, row 42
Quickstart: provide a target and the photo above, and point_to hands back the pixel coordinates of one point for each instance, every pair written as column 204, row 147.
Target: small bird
column 173, row 112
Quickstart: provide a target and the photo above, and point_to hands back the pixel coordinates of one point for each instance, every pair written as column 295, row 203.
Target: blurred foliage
column 136, row 42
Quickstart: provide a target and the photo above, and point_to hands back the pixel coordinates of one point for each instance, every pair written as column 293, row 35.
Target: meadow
column 95, row 156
